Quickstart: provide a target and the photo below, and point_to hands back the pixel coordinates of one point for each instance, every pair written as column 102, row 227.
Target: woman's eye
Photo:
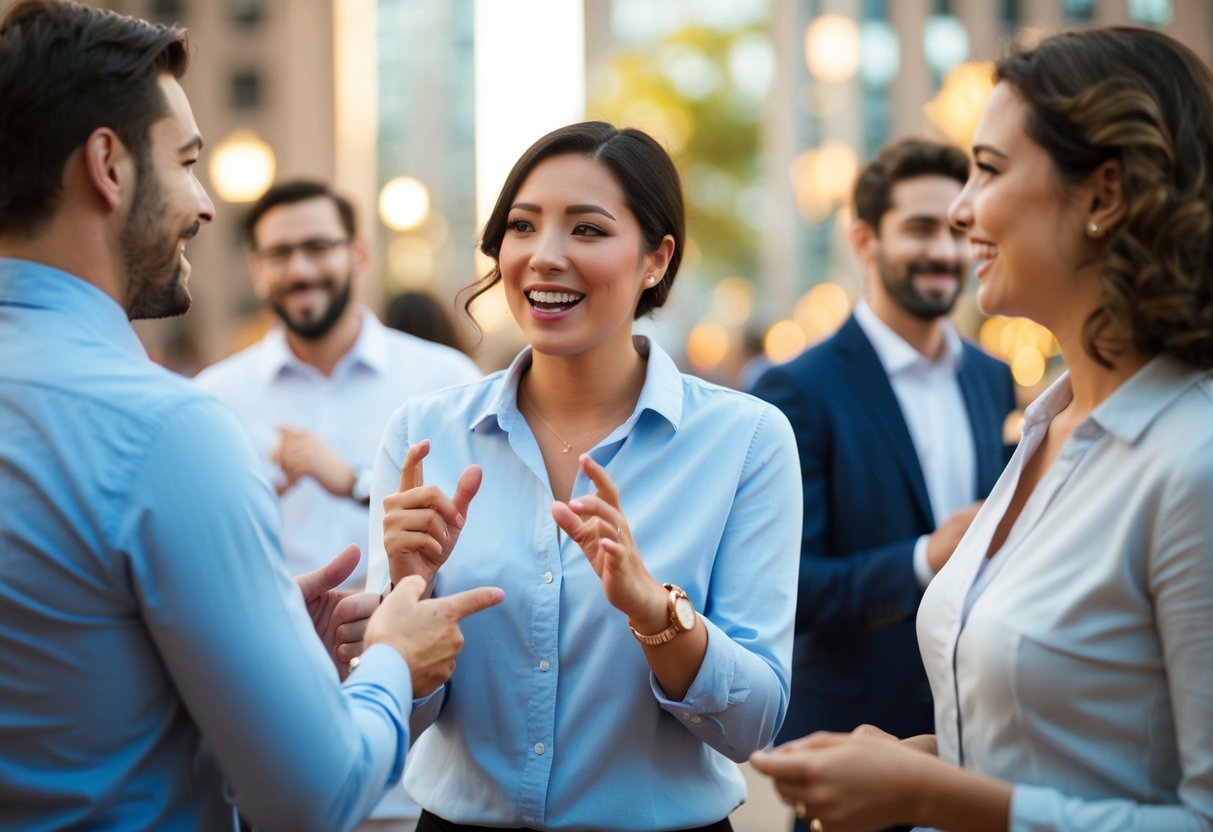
column 519, row 225
column 584, row 229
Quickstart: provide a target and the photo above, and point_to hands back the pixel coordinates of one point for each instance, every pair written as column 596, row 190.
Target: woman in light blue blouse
column 644, row 525
column 1069, row 640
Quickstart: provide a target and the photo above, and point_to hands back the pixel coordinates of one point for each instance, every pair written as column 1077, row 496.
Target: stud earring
column 1093, row 230
column 651, row 279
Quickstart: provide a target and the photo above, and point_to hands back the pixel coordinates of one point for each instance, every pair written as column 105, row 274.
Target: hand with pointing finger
column 339, row 615
column 426, row 632
column 421, row 524
column 596, row 523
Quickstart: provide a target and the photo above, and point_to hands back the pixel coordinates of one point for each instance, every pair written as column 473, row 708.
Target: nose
column 960, row 213
column 548, row 255
column 944, row 245
column 206, row 208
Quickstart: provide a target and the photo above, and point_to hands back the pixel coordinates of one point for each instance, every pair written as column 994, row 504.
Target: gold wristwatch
column 682, row 618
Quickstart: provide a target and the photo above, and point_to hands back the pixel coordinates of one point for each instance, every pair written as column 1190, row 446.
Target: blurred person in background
column 156, row 659
column 423, row 315
column 1069, row 639
column 316, row 392
column 899, row 423
column 644, row 523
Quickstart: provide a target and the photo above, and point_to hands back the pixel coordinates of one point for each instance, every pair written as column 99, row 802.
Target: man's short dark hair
column 900, row 160
column 65, row 70
column 298, row 190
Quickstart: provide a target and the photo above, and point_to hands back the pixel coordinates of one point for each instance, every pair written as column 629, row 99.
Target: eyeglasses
column 313, row 249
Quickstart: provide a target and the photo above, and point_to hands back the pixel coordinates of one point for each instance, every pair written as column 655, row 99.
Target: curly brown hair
column 1142, row 98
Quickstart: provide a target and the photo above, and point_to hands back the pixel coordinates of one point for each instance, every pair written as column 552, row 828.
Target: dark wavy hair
column 645, row 173
column 1139, row 97
column 291, row 192
column 65, row 70
column 898, row 161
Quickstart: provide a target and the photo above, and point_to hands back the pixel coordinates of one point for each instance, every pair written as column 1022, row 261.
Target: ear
column 656, row 262
column 1106, row 198
column 110, row 168
column 863, row 239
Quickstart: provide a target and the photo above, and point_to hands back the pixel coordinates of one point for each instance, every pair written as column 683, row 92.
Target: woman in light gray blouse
column 1069, row 641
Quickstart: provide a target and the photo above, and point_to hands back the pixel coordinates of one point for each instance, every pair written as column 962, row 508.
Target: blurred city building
column 416, row 107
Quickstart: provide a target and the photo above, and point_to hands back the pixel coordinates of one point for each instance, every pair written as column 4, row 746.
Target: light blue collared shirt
column 553, row 719
column 151, row 640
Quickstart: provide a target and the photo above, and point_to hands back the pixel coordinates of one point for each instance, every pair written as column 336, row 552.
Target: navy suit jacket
column 856, row 656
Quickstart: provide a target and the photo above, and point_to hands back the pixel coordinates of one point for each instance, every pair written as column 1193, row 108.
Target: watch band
column 669, row 632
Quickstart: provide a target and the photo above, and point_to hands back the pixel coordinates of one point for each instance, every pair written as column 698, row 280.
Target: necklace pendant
column 566, row 448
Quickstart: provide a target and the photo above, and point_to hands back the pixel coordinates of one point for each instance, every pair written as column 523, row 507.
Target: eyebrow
column 924, row 218
column 985, row 148
column 569, row 211
column 194, row 143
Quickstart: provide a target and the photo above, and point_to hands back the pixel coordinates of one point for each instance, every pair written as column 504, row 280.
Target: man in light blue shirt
column 155, row 658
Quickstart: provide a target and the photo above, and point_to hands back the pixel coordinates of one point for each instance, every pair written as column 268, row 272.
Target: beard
column 925, row 305
column 156, row 272
column 313, row 328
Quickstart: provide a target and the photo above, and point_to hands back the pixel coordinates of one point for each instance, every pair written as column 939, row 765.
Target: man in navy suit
column 900, row 428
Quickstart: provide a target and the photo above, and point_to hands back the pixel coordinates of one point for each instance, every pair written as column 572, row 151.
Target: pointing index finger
column 411, row 473
column 605, row 486
column 473, row 600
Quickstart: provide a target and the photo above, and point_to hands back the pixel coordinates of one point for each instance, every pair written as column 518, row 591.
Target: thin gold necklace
column 566, row 445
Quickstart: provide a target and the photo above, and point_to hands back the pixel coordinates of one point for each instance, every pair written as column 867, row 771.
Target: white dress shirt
column 935, row 413
column 1077, row 663
column 268, row 387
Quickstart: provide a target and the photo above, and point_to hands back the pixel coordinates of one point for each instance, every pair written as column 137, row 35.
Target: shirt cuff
column 922, row 567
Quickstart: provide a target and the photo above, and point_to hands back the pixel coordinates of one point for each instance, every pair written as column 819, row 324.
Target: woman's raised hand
column 420, row 523
column 596, row 524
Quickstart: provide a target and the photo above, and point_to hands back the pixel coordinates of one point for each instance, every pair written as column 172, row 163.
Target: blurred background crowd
column 415, row 108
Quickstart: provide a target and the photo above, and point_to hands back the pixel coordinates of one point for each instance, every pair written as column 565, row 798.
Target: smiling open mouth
column 553, row 301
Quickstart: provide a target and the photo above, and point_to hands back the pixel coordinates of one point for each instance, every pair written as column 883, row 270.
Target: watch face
column 684, row 611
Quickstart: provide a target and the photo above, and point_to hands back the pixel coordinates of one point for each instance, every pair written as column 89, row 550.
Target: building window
column 246, row 12
column 245, row 90
column 167, row 12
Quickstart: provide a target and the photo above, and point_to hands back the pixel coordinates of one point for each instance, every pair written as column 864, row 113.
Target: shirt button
column 686, row 716
column 696, row 719
column 544, row 665
column 547, row 577
column 539, row 748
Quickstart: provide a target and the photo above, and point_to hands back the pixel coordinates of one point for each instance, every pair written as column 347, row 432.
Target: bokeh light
column 404, row 203
column 707, row 345
column 242, row 167
column 831, row 47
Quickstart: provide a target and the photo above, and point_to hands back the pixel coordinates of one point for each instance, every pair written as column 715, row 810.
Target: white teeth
column 553, row 297
column 983, row 251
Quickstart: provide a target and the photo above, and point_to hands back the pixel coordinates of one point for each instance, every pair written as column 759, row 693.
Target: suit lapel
column 878, row 403
column 986, row 431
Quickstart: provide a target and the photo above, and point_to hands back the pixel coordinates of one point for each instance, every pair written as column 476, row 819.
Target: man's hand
column 300, row 453
column 340, row 616
column 942, row 542
column 426, row 632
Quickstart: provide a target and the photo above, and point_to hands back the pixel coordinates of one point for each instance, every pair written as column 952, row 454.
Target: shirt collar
column 1132, row 407
column 369, row 350
column 1147, row 393
column 38, row 286
column 895, row 354
column 661, row 393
